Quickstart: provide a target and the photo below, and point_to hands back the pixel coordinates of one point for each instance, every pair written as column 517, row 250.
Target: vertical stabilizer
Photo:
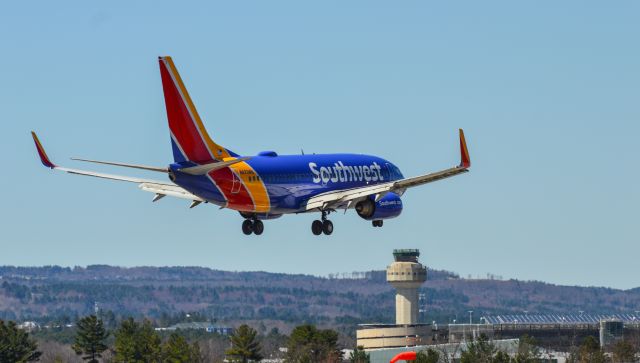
column 190, row 141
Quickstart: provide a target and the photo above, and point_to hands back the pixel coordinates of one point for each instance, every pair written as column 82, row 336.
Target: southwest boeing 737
column 267, row 185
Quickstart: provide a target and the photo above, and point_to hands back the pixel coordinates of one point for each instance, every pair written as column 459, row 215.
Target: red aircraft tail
column 189, row 138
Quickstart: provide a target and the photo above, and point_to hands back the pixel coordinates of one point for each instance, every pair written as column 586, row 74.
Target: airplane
column 267, row 185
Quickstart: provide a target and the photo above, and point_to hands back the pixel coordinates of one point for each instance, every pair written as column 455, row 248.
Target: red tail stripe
column 181, row 125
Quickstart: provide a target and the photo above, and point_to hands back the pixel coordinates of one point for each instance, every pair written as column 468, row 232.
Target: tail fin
column 189, row 139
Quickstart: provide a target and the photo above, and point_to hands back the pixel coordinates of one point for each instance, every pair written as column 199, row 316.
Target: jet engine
column 389, row 206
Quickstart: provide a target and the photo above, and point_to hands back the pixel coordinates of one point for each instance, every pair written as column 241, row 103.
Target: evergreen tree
column 589, row 352
column 196, row 353
column 149, row 342
column 308, row 344
column 244, row 345
column 483, row 351
column 125, row 341
column 528, row 352
column 479, row 351
column 178, row 350
column 15, row 344
column 501, row 357
column 428, row 356
column 137, row 343
column 90, row 338
column 359, row 356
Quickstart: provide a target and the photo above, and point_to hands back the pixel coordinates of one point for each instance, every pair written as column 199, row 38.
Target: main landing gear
column 322, row 226
column 377, row 223
column 252, row 226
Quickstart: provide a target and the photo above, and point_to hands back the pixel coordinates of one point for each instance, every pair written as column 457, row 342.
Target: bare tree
column 54, row 352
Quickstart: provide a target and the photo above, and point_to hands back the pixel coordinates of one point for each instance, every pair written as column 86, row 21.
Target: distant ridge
column 54, row 291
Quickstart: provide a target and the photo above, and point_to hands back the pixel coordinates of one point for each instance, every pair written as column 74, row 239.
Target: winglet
column 465, row 161
column 43, row 155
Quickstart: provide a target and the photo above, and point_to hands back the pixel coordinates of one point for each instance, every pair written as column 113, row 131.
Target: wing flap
column 332, row 199
column 170, row 190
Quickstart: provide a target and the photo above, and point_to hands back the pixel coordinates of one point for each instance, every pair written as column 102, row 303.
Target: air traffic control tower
column 406, row 275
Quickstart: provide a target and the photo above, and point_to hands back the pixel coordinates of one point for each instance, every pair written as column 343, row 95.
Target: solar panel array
column 560, row 319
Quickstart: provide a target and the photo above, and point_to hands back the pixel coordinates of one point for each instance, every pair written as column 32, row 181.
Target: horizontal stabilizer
column 134, row 166
column 170, row 190
column 206, row 168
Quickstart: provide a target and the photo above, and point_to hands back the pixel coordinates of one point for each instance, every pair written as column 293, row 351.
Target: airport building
column 206, row 326
column 555, row 332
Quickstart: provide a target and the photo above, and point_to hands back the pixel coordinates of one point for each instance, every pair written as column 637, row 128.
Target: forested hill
column 51, row 292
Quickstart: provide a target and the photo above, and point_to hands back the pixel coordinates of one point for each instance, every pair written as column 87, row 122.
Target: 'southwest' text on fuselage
column 346, row 173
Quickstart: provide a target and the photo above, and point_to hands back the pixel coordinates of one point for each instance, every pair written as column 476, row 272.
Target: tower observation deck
column 406, row 275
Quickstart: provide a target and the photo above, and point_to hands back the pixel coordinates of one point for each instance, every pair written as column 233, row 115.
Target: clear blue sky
column 547, row 92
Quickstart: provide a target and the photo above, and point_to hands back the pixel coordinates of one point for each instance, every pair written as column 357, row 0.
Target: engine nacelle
column 390, row 206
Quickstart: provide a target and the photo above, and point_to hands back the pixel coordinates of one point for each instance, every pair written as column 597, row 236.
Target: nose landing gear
column 377, row 223
column 316, row 227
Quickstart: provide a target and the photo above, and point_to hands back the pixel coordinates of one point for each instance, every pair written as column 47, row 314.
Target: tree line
column 138, row 342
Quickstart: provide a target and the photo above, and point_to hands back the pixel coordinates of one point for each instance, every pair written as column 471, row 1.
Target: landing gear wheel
column 258, row 227
column 247, row 227
column 377, row 223
column 316, row 227
column 327, row 227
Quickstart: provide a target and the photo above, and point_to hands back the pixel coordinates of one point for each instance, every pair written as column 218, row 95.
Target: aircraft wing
column 160, row 188
column 345, row 198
